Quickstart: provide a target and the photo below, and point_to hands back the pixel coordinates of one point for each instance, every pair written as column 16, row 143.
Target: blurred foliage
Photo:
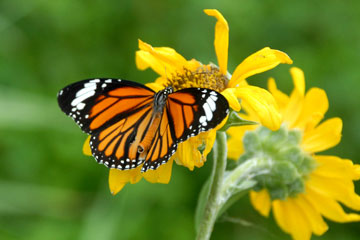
column 49, row 190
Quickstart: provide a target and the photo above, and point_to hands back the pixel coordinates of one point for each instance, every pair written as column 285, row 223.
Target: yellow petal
column 193, row 65
column 314, row 108
column 118, row 178
column 235, row 145
column 86, row 147
column 260, row 102
column 299, row 80
column 116, row 188
column 145, row 60
column 261, row 201
column 335, row 167
column 325, row 136
column 188, row 153
column 161, row 174
column 313, row 216
column 221, row 39
column 162, row 60
column 261, row 61
column 291, row 219
column 328, row 207
column 281, row 98
column 292, row 111
column 280, row 214
column 295, row 106
column 162, row 81
column 210, row 140
column 155, row 86
column 229, row 94
column 341, row 190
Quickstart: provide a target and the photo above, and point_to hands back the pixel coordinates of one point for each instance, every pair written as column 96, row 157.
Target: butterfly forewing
column 95, row 104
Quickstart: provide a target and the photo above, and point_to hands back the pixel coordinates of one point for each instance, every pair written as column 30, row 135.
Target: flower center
column 207, row 76
column 282, row 165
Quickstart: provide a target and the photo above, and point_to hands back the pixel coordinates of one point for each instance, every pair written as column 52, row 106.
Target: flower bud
column 280, row 159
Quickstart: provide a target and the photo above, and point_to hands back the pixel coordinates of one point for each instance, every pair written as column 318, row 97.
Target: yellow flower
column 176, row 71
column 321, row 182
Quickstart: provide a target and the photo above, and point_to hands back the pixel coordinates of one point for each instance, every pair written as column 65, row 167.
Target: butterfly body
column 131, row 125
column 159, row 103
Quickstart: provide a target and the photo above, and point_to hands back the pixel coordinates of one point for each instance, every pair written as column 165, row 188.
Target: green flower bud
column 279, row 158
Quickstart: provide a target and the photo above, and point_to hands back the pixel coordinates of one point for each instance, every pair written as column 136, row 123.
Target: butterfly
column 130, row 124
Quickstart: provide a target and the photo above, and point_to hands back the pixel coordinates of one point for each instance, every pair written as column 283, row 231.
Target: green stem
column 217, row 175
column 239, row 179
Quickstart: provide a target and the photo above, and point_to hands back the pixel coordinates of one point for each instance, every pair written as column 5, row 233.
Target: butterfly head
column 161, row 97
column 168, row 90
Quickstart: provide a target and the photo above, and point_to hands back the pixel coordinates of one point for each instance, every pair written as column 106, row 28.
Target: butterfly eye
column 140, row 149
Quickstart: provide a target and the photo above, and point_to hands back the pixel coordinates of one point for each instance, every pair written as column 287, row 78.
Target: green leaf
column 235, row 120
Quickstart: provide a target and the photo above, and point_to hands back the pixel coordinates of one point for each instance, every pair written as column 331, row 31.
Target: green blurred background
column 50, row 190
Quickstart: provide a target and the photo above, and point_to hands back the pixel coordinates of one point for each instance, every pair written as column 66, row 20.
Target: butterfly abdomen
column 148, row 139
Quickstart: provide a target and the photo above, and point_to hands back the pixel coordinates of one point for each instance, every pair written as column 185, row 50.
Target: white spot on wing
column 202, row 119
column 81, row 98
column 80, row 106
column 86, row 89
column 213, row 97
column 89, row 84
column 211, row 104
column 208, row 111
column 108, row 81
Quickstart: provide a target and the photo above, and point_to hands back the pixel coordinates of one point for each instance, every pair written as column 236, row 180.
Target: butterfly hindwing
column 116, row 145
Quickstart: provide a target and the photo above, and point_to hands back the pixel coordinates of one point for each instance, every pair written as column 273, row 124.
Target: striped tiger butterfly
column 130, row 124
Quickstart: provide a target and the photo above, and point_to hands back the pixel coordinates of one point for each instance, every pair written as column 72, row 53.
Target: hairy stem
column 213, row 201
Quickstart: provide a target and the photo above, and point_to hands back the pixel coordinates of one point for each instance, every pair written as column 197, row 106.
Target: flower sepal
column 235, row 120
